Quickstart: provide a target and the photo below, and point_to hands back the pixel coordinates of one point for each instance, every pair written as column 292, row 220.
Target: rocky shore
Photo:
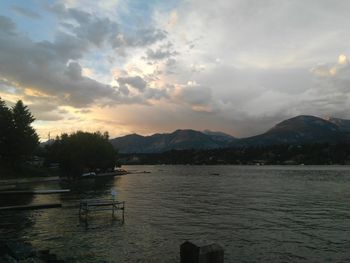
column 20, row 252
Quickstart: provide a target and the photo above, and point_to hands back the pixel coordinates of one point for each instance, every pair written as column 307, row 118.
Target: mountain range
column 179, row 140
column 303, row 129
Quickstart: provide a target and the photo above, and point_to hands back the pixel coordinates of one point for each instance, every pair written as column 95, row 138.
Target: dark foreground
column 16, row 252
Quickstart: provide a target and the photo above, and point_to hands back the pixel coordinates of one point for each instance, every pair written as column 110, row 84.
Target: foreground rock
column 19, row 252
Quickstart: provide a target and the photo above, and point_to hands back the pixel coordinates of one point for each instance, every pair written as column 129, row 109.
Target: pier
column 96, row 205
column 30, row 207
column 34, row 192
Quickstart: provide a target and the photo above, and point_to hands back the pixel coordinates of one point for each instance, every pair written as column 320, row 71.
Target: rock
column 7, row 259
column 201, row 253
column 20, row 250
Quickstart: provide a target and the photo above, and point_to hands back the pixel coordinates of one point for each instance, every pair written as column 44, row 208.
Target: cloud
column 333, row 74
column 136, row 82
column 146, row 36
column 52, row 68
column 25, row 12
column 48, row 116
column 83, row 111
column 84, row 25
column 7, row 26
column 42, row 66
column 248, row 63
column 44, row 109
column 342, row 59
column 74, row 71
column 170, row 62
column 157, row 94
column 329, row 70
column 160, row 53
column 141, row 86
column 196, row 94
column 198, row 97
column 331, row 93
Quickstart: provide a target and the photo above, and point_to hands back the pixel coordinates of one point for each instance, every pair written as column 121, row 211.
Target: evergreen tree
column 6, row 131
column 25, row 137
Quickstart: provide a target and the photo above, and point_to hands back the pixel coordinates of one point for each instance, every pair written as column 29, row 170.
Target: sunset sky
column 237, row 66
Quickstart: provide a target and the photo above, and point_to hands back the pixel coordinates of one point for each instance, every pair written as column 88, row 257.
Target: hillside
column 303, row 129
column 177, row 140
column 343, row 125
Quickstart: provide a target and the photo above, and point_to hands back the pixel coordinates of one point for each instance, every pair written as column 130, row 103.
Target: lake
column 257, row 213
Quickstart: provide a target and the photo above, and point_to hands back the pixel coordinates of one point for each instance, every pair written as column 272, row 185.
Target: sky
column 134, row 66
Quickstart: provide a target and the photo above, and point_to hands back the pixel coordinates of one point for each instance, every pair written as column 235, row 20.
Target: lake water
column 258, row 214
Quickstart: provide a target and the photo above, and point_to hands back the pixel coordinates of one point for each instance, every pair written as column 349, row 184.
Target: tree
column 6, row 130
column 82, row 152
column 26, row 139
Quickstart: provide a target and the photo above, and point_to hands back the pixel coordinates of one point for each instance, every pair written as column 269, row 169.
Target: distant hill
column 179, row 140
column 219, row 136
column 301, row 129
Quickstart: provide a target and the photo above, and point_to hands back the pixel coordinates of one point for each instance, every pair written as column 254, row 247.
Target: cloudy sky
column 126, row 66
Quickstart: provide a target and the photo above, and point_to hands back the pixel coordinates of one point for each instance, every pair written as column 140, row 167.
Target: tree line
column 74, row 153
column 308, row 154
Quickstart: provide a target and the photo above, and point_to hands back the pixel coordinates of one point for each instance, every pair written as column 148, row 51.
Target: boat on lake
column 94, row 175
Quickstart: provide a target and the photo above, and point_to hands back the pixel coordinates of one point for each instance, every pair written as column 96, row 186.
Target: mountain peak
column 304, row 123
column 301, row 129
column 184, row 131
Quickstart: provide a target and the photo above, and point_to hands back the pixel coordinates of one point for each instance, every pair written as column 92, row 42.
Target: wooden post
column 191, row 253
column 123, row 210
column 86, row 214
column 80, row 211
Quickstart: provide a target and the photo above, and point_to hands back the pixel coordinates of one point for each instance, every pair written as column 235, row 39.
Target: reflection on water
column 258, row 214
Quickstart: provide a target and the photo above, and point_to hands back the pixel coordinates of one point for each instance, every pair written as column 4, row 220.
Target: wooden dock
column 34, row 192
column 95, row 205
column 29, row 180
column 30, row 207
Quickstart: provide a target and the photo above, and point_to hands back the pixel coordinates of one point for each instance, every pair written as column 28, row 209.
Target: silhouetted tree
column 6, row 131
column 82, row 152
column 18, row 139
column 26, row 139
